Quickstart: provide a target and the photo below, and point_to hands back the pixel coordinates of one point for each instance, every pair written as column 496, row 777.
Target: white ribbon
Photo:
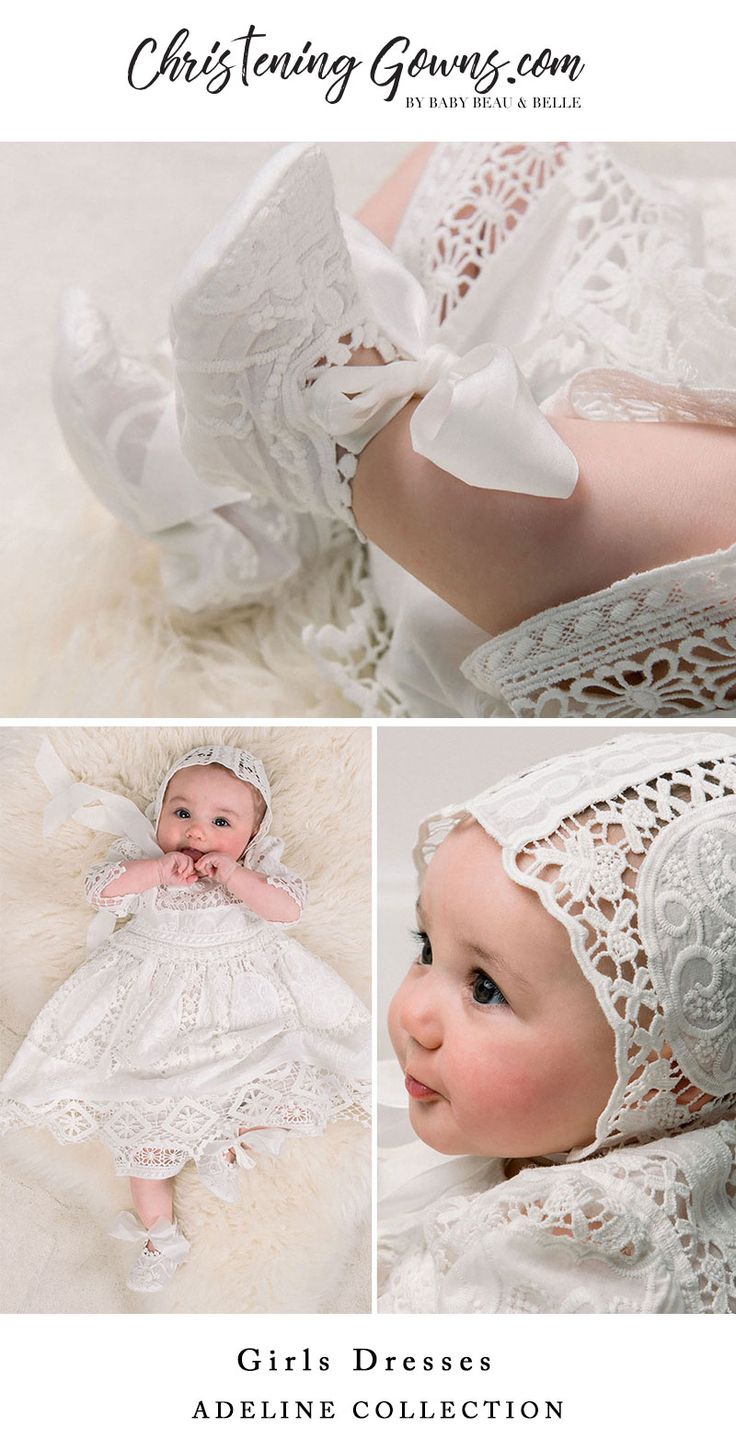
column 166, row 1237
column 100, row 810
column 477, row 420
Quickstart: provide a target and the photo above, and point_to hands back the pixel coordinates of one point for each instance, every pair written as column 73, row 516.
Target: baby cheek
column 502, row 1083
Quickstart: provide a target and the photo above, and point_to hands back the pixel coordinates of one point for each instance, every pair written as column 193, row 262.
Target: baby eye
column 182, row 813
column 484, row 991
column 424, row 955
column 220, row 821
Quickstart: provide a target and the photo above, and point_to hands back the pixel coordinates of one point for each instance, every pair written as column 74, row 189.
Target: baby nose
column 194, row 832
column 421, row 1014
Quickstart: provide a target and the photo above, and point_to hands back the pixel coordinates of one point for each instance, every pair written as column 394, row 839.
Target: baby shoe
column 154, row 1266
column 117, row 412
column 268, row 300
column 264, row 323
column 218, row 1172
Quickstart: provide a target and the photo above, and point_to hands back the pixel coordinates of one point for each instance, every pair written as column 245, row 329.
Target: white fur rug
column 300, row 1239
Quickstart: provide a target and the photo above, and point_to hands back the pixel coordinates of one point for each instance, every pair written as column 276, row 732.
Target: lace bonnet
column 632, row 846
column 240, row 763
column 103, row 810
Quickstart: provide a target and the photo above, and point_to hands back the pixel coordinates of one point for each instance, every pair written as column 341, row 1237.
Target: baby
column 198, row 1023
column 208, row 818
column 570, row 1021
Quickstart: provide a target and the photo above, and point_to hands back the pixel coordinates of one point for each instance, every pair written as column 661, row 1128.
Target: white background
column 649, row 76
column 652, row 71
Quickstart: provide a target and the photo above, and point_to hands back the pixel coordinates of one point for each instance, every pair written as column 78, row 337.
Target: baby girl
column 570, row 1022
column 199, row 1022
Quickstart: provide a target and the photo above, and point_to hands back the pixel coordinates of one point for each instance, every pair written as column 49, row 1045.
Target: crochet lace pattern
column 661, row 643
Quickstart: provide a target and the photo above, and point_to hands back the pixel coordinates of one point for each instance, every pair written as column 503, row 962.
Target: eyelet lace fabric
column 632, row 846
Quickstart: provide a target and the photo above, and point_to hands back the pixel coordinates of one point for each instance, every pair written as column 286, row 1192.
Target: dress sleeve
column 266, row 860
column 99, row 875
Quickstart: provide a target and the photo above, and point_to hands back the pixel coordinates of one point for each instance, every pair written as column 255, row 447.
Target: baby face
column 206, row 809
column 506, row 1051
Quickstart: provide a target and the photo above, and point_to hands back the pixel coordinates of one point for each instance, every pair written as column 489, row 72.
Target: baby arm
column 273, row 903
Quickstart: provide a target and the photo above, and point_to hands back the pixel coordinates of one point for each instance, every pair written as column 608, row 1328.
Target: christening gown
column 194, row 1021
column 608, row 299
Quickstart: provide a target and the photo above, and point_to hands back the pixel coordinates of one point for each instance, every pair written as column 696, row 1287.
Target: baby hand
column 176, row 869
column 217, row 865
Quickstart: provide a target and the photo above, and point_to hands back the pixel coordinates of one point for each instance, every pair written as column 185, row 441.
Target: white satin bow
column 166, row 1237
column 101, row 810
column 477, row 419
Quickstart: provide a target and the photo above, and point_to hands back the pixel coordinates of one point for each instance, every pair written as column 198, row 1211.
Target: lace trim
column 156, row 1139
column 598, row 656
column 99, row 875
column 353, row 656
column 292, row 886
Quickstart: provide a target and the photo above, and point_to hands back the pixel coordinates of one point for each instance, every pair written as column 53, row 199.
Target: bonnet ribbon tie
column 165, row 1236
column 100, row 810
column 477, row 419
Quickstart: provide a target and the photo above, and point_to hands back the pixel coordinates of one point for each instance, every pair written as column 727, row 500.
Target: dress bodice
column 201, row 915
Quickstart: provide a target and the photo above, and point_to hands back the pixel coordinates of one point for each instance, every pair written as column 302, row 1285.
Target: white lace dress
column 616, row 294
column 195, row 1020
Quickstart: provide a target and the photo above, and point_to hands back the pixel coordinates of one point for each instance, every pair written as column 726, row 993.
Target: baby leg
column 500, row 557
column 153, row 1198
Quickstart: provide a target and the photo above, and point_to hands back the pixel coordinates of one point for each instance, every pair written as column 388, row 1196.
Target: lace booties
column 154, row 1266
column 264, row 325
column 268, row 301
column 117, row 412
column 219, row 1172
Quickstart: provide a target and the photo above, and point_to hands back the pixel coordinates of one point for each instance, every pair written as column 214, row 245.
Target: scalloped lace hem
column 155, row 1139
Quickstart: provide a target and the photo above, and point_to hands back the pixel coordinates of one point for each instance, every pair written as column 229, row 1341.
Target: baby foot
column 218, row 1170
